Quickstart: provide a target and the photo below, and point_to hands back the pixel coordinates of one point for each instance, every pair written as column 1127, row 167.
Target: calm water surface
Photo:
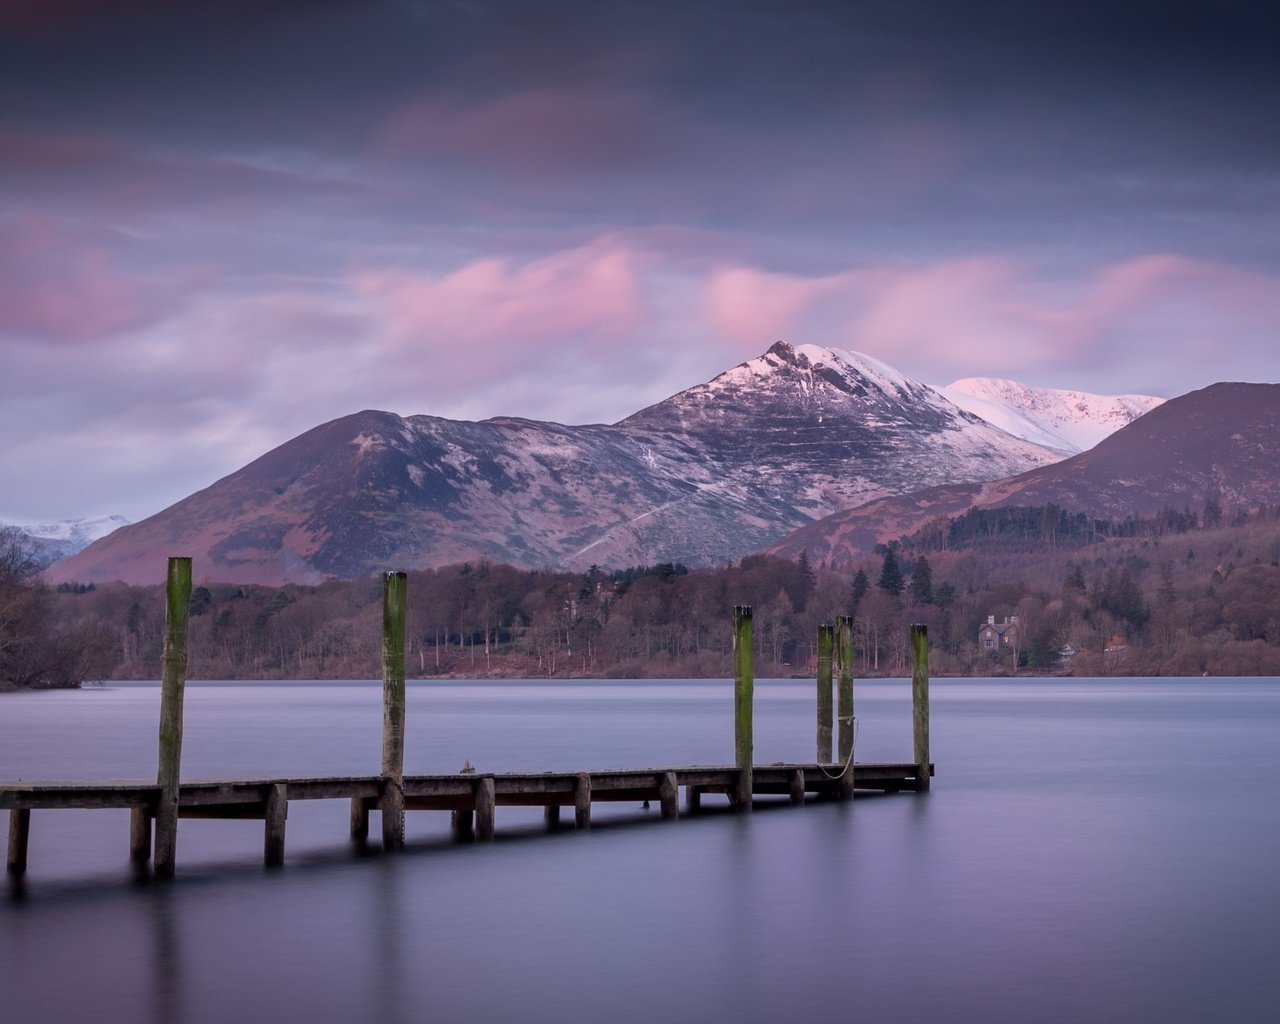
column 1092, row 850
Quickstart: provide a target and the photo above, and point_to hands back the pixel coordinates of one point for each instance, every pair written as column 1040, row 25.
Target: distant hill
column 52, row 541
column 709, row 475
column 1220, row 444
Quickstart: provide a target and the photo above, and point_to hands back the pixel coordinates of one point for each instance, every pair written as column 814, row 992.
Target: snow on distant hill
column 1069, row 421
column 52, row 541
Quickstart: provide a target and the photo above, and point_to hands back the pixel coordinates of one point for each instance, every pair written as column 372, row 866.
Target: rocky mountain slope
column 708, row 475
column 1221, row 443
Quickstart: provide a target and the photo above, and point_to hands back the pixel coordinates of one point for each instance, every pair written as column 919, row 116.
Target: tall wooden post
column 920, row 702
column 825, row 641
column 844, row 702
column 173, row 682
column 743, row 694
column 394, row 593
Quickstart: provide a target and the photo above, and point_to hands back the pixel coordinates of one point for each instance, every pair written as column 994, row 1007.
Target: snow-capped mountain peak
column 52, row 541
column 1069, row 421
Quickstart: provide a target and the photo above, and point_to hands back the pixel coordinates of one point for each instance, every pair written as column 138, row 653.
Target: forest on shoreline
column 1175, row 594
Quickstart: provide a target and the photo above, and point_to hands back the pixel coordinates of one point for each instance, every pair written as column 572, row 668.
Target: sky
column 224, row 222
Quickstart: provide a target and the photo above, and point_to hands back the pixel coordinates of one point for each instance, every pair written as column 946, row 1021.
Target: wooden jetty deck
column 471, row 797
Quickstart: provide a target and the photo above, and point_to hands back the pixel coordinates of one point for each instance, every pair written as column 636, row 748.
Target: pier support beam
column 669, row 796
column 139, row 835
column 743, row 694
column 844, row 709
column 273, row 830
column 359, row 821
column 172, row 693
column 394, row 594
column 796, row 787
column 582, row 801
column 551, row 816
column 485, row 803
column 920, row 703
column 19, row 834
column 692, row 799
column 825, row 643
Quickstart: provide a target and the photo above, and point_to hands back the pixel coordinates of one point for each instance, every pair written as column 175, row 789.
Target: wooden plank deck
column 467, row 795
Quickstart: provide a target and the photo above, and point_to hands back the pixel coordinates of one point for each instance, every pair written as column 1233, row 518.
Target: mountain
column 706, row 476
column 52, row 541
column 1221, row 443
column 1069, row 421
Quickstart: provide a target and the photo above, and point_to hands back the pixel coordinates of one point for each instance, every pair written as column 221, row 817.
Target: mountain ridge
column 1217, row 444
column 714, row 472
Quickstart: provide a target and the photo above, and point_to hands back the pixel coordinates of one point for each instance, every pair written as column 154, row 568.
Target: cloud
column 1147, row 317
column 57, row 287
column 589, row 292
column 537, row 131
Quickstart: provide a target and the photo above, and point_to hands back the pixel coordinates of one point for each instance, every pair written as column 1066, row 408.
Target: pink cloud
column 59, row 288
column 750, row 305
column 995, row 316
column 591, row 292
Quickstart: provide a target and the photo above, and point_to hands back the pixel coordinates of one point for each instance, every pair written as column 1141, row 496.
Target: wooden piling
column 669, row 796
column 551, row 817
column 825, row 711
column 920, row 702
column 394, row 594
column 796, row 787
column 172, row 692
column 139, row 835
column 844, row 708
column 273, row 831
column 582, row 801
column 359, row 821
column 485, row 803
column 743, row 694
column 19, row 834
column 692, row 799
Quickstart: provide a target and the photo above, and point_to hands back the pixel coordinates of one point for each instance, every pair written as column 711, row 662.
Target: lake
column 1092, row 850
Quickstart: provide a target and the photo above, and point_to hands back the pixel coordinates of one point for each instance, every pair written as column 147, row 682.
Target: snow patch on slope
column 1070, row 421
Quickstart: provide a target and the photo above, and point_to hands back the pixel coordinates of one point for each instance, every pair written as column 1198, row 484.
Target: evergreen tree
column 857, row 591
column 921, row 582
column 891, row 575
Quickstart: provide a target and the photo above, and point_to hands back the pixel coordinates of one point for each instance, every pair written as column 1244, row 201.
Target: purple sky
column 223, row 222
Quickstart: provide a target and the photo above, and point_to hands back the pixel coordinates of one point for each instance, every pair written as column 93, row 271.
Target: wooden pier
column 472, row 798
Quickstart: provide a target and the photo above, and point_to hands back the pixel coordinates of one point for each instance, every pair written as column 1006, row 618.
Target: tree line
column 1133, row 596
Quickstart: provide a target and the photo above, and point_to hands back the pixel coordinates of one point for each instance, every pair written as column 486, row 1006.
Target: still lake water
column 1092, row 850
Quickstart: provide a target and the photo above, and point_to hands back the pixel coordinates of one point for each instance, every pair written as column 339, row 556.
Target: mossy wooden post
column 394, row 592
column 844, row 704
column 173, row 684
column 743, row 694
column 920, row 702
column 825, row 711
